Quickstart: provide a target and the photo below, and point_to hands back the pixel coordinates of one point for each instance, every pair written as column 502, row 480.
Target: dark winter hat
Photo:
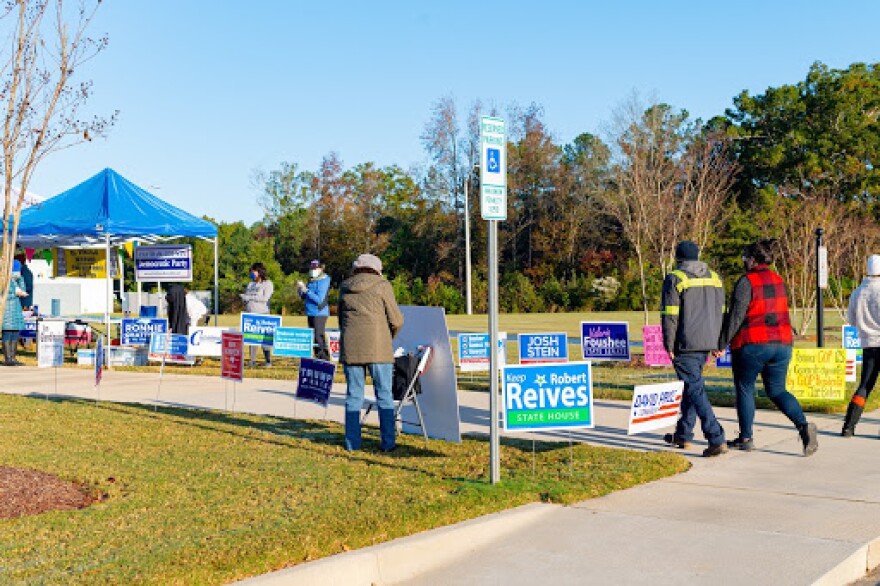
column 368, row 261
column 315, row 264
column 687, row 250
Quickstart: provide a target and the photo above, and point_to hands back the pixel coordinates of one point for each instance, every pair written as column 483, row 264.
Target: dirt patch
column 31, row 492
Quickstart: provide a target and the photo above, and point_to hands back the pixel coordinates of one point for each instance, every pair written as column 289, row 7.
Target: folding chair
column 410, row 395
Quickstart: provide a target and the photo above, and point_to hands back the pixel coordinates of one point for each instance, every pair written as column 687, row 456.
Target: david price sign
column 541, row 397
column 163, row 263
column 605, row 340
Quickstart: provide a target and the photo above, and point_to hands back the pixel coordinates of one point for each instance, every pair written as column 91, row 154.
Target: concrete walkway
column 766, row 517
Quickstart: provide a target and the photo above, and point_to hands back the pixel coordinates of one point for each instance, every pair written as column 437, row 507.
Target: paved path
column 766, row 517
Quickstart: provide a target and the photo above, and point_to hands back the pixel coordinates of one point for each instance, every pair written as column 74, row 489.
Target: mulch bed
column 31, row 492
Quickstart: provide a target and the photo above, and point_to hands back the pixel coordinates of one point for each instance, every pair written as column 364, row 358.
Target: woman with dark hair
column 368, row 320
column 256, row 300
column 758, row 329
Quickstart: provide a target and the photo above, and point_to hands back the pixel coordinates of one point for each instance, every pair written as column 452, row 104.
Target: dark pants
column 771, row 362
column 318, row 324
column 870, row 368
column 694, row 402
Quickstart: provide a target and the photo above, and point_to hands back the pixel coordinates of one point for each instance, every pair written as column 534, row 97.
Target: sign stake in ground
column 493, row 207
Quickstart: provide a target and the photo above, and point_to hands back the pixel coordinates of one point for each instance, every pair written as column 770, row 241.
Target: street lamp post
column 467, row 241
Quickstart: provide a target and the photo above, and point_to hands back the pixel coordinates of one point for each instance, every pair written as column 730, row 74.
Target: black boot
column 853, row 414
column 11, row 349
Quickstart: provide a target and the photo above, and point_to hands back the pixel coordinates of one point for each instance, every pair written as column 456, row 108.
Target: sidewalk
column 766, row 517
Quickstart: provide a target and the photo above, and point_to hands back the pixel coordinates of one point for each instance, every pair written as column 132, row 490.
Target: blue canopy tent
column 109, row 209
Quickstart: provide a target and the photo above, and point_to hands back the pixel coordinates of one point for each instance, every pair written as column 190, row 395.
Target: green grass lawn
column 207, row 497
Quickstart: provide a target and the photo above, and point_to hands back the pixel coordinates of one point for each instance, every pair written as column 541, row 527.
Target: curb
column 406, row 557
column 853, row 568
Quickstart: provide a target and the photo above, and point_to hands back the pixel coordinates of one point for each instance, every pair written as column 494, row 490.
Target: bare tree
column 46, row 45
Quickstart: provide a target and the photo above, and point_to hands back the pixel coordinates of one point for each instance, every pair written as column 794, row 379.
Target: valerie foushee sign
column 542, row 397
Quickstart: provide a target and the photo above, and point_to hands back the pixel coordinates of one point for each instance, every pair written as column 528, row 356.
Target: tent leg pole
column 109, row 307
column 216, row 279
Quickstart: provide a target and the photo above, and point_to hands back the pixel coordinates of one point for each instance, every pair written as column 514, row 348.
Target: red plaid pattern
column 767, row 320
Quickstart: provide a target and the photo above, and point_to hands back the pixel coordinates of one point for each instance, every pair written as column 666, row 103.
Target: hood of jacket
column 362, row 282
column 696, row 268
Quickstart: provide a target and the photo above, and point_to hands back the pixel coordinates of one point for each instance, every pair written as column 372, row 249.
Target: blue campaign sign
column 296, row 342
column 30, row 330
column 541, row 397
column 851, row 338
column 137, row 332
column 171, row 347
column 259, row 329
column 315, row 380
column 725, row 361
column 605, row 340
column 543, row 348
column 166, row 262
column 473, row 352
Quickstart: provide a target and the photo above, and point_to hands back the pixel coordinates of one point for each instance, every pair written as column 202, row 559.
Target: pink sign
column 655, row 354
column 232, row 356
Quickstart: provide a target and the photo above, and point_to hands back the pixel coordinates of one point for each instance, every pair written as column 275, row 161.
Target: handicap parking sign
column 493, row 160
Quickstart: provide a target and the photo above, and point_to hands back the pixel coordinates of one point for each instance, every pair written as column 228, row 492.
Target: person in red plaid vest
column 758, row 328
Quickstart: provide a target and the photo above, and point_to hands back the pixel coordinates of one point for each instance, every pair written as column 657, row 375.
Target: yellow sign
column 817, row 373
column 89, row 263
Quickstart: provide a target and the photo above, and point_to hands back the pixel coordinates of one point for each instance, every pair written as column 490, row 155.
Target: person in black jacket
column 691, row 314
column 178, row 318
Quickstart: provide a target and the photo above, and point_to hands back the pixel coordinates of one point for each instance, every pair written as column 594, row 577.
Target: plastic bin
column 149, row 311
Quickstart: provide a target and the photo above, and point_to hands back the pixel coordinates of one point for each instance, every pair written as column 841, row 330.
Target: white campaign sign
column 206, row 341
column 493, row 168
column 655, row 406
column 50, row 343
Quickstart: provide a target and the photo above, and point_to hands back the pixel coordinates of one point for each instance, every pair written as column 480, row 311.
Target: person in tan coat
column 368, row 320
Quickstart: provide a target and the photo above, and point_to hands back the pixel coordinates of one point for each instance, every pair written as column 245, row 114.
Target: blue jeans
column 771, row 362
column 694, row 401
column 355, row 378
column 11, row 335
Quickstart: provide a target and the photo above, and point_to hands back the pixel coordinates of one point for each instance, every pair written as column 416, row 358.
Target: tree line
column 592, row 224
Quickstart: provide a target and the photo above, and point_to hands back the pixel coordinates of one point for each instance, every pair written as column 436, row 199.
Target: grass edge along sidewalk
column 210, row 497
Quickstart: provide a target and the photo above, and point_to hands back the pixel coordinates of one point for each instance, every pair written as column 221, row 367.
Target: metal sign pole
column 494, row 457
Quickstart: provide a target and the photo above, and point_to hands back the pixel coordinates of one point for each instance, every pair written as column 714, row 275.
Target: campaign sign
column 99, row 360
column 232, row 356
column 473, row 351
column 258, row 329
column 295, row 342
column 30, row 330
column 543, row 396
column 333, row 337
column 137, row 331
column 315, row 380
column 50, row 344
column 851, row 359
column 655, row 353
column 850, row 337
column 655, row 406
column 605, row 340
column 543, row 348
column 170, row 347
column 725, row 360
column 817, row 373
column 168, row 262
column 206, row 341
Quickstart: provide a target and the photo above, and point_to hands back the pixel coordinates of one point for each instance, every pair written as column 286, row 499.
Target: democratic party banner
column 50, row 344
column 137, row 331
column 539, row 397
column 655, row 353
column 259, row 329
column 543, row 348
column 725, row 360
column 655, row 406
column 206, row 341
column 817, row 373
column 473, row 351
column 315, row 380
column 333, row 337
column 168, row 347
column 232, row 356
column 294, row 342
column 605, row 340
column 167, row 262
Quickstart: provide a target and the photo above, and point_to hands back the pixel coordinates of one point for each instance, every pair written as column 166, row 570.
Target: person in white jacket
column 864, row 314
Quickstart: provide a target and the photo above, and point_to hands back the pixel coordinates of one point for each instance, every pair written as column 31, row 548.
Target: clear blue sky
column 210, row 91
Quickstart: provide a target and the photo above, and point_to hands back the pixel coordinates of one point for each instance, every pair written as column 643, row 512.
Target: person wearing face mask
column 13, row 318
column 256, row 300
column 316, row 297
column 758, row 328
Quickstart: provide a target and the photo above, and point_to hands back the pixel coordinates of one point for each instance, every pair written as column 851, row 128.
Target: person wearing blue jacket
column 315, row 295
